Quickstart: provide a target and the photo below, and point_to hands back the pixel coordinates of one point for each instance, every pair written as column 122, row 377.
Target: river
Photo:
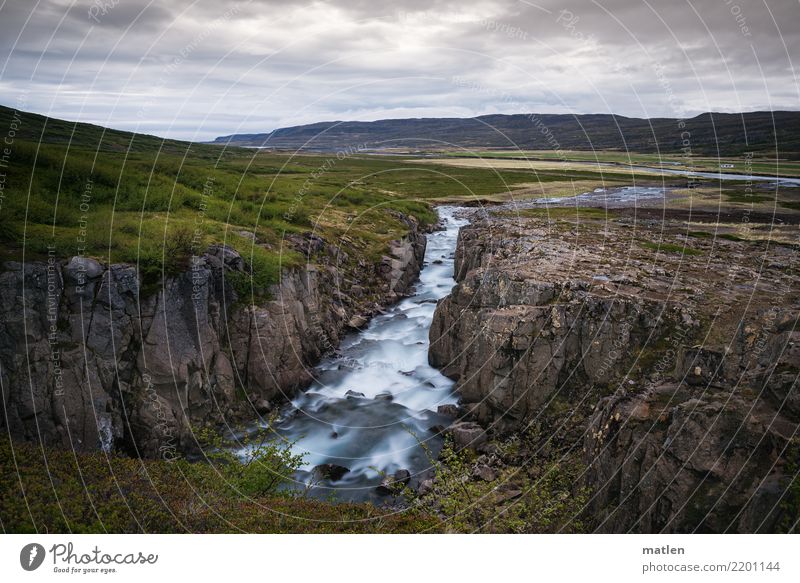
column 373, row 406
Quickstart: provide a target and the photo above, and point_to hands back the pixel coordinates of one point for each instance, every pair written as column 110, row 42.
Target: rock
column 137, row 368
column 484, row 472
column 354, row 395
column 357, row 321
column 425, row 487
column 453, row 411
column 402, row 477
column 466, row 434
column 667, row 451
column 693, row 438
column 82, row 268
column 384, row 396
column 393, row 484
column 489, row 448
column 331, row 472
column 506, row 494
column 262, row 406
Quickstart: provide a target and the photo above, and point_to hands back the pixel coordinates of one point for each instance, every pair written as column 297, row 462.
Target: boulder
column 331, row 472
column 484, row 472
column 358, row 321
column 453, row 411
column 467, row 434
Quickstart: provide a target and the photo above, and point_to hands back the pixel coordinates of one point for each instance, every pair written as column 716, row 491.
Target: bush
column 262, row 469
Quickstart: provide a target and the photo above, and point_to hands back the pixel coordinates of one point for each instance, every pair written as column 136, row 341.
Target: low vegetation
column 541, row 495
column 47, row 490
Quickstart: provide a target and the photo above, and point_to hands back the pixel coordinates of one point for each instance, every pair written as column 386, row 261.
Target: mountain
column 775, row 133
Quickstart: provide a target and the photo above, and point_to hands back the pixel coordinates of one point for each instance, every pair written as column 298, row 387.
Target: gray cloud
column 200, row 68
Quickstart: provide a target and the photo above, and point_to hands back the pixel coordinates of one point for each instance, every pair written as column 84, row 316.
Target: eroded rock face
column 88, row 361
column 678, row 459
column 696, row 355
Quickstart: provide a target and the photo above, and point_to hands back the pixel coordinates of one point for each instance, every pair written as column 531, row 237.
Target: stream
column 373, row 407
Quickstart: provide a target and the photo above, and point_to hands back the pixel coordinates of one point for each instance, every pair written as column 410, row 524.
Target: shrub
column 266, row 464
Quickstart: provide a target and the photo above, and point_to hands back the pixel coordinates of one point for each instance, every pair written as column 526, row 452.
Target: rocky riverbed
column 659, row 357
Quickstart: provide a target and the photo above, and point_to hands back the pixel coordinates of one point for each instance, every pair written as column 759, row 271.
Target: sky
column 198, row 69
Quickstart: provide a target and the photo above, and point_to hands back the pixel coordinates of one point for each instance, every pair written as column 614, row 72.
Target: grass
column 707, row 235
column 759, row 165
column 562, row 213
column 137, row 199
column 669, row 248
column 547, row 496
column 44, row 490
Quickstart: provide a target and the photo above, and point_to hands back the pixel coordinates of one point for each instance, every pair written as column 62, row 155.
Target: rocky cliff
column 687, row 363
column 89, row 360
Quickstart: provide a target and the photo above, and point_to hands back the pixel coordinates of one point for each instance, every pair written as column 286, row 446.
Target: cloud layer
column 202, row 68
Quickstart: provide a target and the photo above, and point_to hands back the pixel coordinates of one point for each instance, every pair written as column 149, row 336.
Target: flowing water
column 373, row 406
column 626, row 196
column 620, row 196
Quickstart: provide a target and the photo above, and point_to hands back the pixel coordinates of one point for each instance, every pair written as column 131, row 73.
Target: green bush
column 265, row 466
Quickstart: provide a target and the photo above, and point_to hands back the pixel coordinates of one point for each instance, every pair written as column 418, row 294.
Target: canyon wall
column 91, row 360
column 686, row 364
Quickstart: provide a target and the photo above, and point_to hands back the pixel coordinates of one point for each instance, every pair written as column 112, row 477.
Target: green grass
column 137, row 199
column 561, row 213
column 669, row 248
column 46, row 490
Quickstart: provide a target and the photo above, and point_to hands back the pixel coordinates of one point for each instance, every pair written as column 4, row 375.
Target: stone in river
column 393, row 484
column 330, row 472
column 448, row 410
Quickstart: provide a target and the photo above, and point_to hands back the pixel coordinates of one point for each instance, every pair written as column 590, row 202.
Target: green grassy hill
column 121, row 197
column 33, row 127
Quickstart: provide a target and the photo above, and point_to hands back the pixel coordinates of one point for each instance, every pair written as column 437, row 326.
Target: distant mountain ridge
column 708, row 133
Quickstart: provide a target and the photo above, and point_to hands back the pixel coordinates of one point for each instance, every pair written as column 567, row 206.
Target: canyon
column 669, row 375
column 93, row 358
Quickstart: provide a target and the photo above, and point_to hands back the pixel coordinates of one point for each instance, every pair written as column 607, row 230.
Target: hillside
column 33, row 127
column 710, row 133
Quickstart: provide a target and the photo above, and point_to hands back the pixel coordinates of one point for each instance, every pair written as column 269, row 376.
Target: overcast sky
column 199, row 69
